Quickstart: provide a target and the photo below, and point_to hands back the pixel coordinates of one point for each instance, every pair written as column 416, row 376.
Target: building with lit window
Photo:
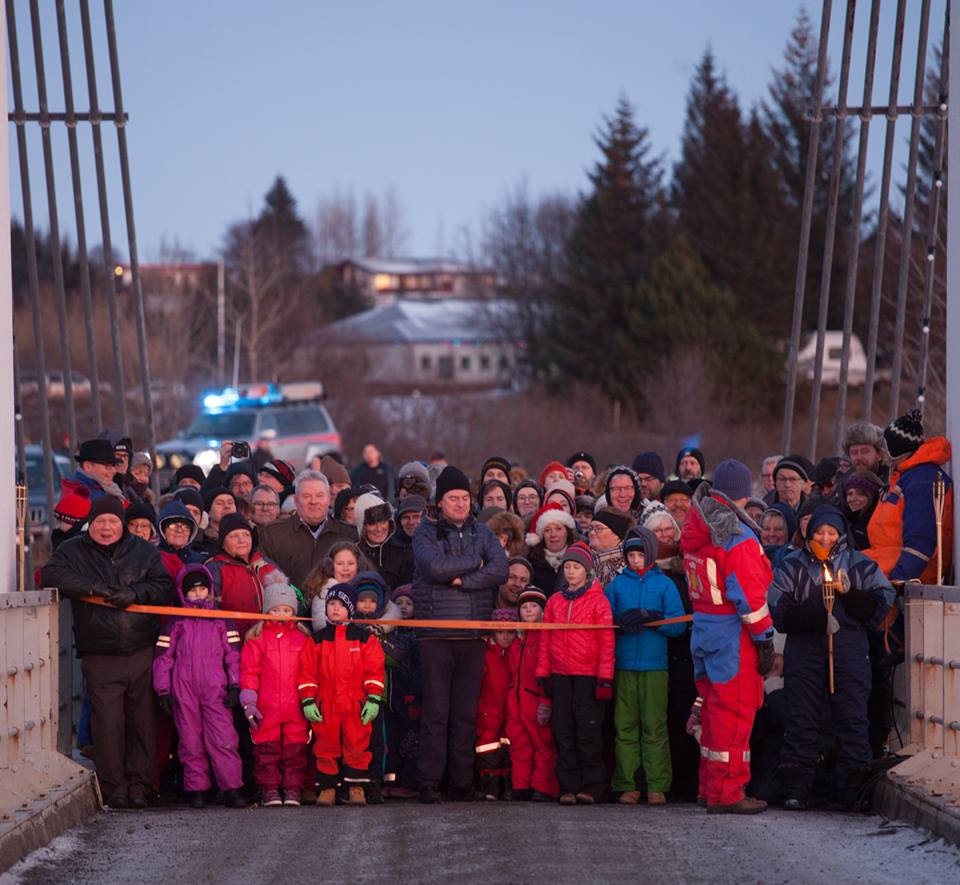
column 384, row 280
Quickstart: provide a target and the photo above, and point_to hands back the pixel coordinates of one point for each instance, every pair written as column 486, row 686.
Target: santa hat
column 548, row 515
column 550, row 468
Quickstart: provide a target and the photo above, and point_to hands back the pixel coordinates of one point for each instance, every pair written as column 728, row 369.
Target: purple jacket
column 202, row 653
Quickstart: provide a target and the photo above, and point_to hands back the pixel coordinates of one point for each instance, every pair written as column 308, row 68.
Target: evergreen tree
column 926, row 155
column 609, row 254
column 282, row 227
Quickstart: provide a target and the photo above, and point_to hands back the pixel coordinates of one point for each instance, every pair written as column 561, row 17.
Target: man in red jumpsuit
column 732, row 639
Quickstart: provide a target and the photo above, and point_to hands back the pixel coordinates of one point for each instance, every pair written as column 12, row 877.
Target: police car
column 290, row 416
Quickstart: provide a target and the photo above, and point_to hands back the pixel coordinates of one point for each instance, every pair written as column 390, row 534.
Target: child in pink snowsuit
column 196, row 673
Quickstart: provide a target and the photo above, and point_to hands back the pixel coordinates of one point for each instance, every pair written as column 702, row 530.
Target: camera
column 578, row 476
column 241, row 449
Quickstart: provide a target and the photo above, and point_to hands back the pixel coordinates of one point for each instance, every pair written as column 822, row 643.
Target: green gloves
column 371, row 707
column 311, row 711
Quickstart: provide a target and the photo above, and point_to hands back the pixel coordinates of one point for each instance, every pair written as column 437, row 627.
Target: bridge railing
column 933, row 667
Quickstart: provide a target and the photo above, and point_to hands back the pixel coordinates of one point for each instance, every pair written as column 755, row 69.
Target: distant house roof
column 412, row 265
column 422, row 322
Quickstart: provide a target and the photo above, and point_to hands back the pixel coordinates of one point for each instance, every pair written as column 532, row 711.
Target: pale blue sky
column 450, row 103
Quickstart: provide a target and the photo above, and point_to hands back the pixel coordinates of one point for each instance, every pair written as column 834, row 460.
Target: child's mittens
column 248, row 700
column 765, row 654
column 166, row 703
column 232, row 697
column 311, row 711
column 370, row 709
column 544, row 712
column 604, row 690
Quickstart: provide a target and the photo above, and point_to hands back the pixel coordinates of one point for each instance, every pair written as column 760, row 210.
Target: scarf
column 608, row 564
column 553, row 559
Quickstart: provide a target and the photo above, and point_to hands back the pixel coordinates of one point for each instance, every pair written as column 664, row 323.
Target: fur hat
column 334, row 471
column 651, row 464
column 451, row 479
column 279, row 593
column 905, row 434
column 370, row 507
column 532, row 593
column 512, row 526
column 642, row 539
column 346, row 594
column 548, row 515
column 864, row 433
column 415, row 478
column 551, row 468
column 580, row 554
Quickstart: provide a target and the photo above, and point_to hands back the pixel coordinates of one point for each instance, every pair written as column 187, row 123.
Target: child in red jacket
column 575, row 668
column 533, row 754
column 341, row 682
column 493, row 757
column 268, row 694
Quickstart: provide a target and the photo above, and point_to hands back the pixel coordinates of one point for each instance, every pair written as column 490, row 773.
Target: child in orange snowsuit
column 493, row 757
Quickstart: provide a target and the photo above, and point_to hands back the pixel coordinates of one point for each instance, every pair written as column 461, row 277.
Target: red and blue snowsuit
column 338, row 671
column 728, row 576
column 533, row 754
column 493, row 759
column 269, row 664
column 197, row 659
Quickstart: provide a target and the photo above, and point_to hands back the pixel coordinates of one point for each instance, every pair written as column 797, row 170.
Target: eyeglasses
column 597, row 527
column 790, row 480
column 265, row 505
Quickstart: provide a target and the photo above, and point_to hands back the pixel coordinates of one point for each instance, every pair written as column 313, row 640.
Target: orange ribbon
column 177, row 612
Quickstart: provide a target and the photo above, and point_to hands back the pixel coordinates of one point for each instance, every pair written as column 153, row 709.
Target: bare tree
column 344, row 232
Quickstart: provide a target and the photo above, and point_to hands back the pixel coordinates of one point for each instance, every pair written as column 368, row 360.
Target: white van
column 832, row 352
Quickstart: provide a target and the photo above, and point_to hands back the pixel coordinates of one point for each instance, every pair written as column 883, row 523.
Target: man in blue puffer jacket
column 639, row 594
column 458, row 567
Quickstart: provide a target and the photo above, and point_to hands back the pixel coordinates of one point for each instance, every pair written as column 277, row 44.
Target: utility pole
column 953, row 264
column 221, row 323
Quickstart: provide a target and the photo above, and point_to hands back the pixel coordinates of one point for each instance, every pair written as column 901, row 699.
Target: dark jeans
column 123, row 720
column 578, row 732
column 452, row 672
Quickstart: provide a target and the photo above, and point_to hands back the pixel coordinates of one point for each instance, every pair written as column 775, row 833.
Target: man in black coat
column 458, row 567
column 115, row 646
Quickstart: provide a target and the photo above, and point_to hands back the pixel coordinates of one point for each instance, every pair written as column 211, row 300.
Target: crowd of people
column 578, row 635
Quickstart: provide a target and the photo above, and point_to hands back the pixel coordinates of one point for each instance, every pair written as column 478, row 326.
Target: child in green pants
column 639, row 594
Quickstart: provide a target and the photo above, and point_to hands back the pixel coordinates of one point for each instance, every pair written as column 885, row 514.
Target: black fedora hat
column 99, row 451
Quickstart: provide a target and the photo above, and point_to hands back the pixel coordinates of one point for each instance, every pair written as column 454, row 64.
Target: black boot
column 195, row 799
column 465, row 794
column 854, row 793
column 520, row 796
column 429, row 795
column 488, row 789
column 233, row 799
column 374, row 793
column 795, row 789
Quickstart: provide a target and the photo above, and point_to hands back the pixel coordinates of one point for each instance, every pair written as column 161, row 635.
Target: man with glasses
column 266, row 505
column 766, row 477
column 623, row 490
column 790, row 478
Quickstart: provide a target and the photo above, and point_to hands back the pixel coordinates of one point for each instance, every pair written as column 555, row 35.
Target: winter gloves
column 633, row 620
column 765, row 655
column 370, row 709
column 233, row 696
column 311, row 711
column 858, row 604
column 248, row 699
column 166, row 703
column 121, row 597
column 604, row 690
column 544, row 711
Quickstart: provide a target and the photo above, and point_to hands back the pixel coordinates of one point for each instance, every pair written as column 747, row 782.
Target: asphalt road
column 489, row 842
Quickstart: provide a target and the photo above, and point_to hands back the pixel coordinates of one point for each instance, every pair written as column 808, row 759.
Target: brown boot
column 746, row 805
column 568, row 799
column 655, row 798
column 585, row 799
column 327, row 797
column 629, row 797
column 356, row 796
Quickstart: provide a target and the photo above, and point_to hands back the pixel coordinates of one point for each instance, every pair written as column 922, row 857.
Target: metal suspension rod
column 933, row 215
column 906, row 237
column 826, row 270
column 86, row 297
column 59, row 293
column 32, row 275
column 882, row 216
column 21, row 444
column 806, row 217
column 853, row 249
column 132, row 241
column 108, row 264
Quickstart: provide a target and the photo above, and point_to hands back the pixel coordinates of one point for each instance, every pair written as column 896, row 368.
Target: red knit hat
column 73, row 507
column 549, row 513
column 551, row 467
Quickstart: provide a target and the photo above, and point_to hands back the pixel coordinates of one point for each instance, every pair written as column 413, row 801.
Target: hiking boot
column 233, row 799
column 355, row 796
column 568, row 799
column 271, row 798
column 137, row 799
column 308, row 796
column 118, row 802
column 655, row 798
column 327, row 797
column 747, row 805
column 629, row 797
column 585, row 799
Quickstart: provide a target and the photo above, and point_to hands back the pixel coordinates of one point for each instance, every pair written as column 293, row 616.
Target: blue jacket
column 654, row 591
column 443, row 552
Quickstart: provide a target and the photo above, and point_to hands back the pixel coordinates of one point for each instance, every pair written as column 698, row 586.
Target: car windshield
column 35, row 480
column 226, row 425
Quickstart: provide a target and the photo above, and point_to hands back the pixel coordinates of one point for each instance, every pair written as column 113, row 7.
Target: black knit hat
column 617, row 522
column 651, row 464
column 106, row 504
column 691, row 452
column 231, row 523
column 189, row 495
column 141, row 510
column 346, row 594
column 451, row 479
column 344, row 497
column 532, row 593
column 189, row 471
column 675, row 487
column 582, row 456
column 210, row 496
column 796, row 463
column 904, row 435
column 497, row 461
